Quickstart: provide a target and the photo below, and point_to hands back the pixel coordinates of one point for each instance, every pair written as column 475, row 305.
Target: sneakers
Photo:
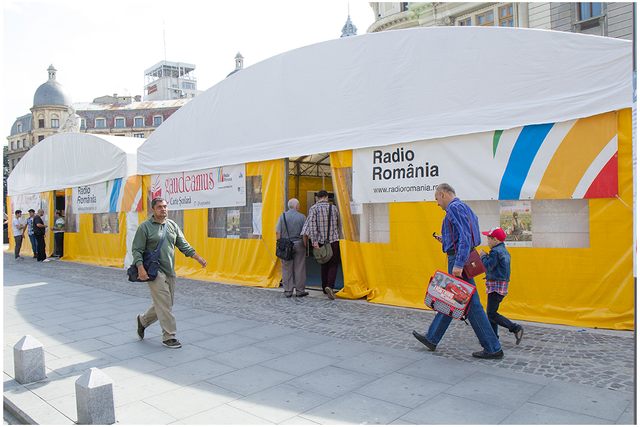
column 172, row 343
column 431, row 346
column 46, row 260
column 140, row 328
column 302, row 294
column 19, row 258
column 484, row 355
column 288, row 295
column 329, row 293
column 518, row 333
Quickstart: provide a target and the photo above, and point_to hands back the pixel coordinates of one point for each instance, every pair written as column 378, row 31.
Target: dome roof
column 51, row 92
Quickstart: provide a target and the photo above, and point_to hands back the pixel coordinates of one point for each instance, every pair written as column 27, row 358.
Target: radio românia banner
column 566, row 160
column 208, row 188
column 116, row 195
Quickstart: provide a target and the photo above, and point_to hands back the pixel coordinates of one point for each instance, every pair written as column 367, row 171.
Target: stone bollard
column 94, row 398
column 28, row 360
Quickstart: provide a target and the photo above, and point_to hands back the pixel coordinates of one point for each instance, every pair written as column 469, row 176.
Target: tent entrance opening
column 307, row 176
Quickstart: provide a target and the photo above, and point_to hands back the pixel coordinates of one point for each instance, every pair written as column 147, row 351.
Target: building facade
column 611, row 19
column 170, row 80
column 106, row 115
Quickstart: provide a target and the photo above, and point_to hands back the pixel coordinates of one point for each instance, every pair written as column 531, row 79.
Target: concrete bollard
column 28, row 360
column 94, row 398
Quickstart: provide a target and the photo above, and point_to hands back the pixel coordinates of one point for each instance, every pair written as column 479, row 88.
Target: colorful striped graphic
column 583, row 164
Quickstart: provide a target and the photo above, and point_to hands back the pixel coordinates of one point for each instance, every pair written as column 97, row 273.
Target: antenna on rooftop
column 164, row 41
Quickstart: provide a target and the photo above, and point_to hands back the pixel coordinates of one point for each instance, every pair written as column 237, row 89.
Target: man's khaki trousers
column 162, row 295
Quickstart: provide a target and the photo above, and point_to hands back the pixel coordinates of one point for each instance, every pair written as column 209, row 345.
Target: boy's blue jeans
column 493, row 304
column 476, row 315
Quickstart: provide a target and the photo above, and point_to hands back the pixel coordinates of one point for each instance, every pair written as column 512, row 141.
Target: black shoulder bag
column 149, row 262
column 284, row 245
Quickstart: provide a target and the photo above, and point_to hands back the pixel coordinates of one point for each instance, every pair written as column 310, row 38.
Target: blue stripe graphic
column 522, row 155
column 115, row 195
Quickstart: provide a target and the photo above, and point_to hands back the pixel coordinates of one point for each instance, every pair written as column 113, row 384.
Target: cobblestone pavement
column 599, row 358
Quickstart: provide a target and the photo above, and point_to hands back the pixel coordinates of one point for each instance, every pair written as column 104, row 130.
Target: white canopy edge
column 67, row 160
column 392, row 87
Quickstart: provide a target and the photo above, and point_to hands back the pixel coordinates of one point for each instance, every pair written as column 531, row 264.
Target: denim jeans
column 493, row 303
column 476, row 315
column 34, row 244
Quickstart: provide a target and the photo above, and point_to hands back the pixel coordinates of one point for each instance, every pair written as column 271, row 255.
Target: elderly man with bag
column 460, row 230
column 289, row 226
column 148, row 236
column 322, row 227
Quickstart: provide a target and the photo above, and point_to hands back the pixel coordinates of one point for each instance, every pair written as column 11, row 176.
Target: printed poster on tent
column 24, row 202
column 515, row 220
column 577, row 159
column 117, row 195
column 208, row 188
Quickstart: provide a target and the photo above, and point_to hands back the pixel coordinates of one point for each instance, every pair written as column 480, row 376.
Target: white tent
column 393, row 87
column 67, row 160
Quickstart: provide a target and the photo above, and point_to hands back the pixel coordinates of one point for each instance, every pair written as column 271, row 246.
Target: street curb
column 16, row 412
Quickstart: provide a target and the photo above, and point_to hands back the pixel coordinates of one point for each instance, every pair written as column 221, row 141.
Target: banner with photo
column 577, row 159
column 24, row 202
column 515, row 220
column 209, row 188
column 118, row 195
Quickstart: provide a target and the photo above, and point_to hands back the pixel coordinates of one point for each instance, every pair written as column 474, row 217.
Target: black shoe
column 329, row 293
column 288, row 295
column 431, row 346
column 172, row 343
column 518, row 333
column 140, row 328
column 484, row 355
column 302, row 294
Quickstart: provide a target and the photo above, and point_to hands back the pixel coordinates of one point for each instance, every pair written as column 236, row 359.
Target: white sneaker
column 46, row 260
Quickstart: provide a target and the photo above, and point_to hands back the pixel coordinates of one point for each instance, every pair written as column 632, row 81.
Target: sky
column 102, row 47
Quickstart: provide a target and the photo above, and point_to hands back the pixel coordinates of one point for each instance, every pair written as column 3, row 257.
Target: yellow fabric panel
column 249, row 262
column 107, row 249
column 586, row 139
column 306, row 183
column 591, row 287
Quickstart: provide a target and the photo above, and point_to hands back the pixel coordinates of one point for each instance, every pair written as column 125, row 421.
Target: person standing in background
column 32, row 237
column 18, row 233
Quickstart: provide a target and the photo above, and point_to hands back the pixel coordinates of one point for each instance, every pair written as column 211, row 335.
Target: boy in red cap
column 498, row 265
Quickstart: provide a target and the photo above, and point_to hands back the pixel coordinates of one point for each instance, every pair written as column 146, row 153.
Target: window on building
column 18, row 144
column 120, row 123
column 506, row 16
column 83, row 123
column 13, row 163
column 100, row 123
column 187, row 85
column 40, row 123
column 13, row 145
column 55, row 123
column 138, row 135
column 120, row 134
column 139, row 122
column 589, row 10
column 157, row 120
column 19, row 127
column 24, row 143
column 40, row 138
column 485, row 19
column 465, row 22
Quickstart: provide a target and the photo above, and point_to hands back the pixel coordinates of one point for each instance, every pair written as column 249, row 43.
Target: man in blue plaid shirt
column 315, row 227
column 460, row 232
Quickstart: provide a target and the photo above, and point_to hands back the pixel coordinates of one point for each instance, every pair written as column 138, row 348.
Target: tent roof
column 68, row 159
column 392, row 87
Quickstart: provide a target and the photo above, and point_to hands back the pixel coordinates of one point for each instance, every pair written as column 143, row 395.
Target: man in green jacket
column 147, row 237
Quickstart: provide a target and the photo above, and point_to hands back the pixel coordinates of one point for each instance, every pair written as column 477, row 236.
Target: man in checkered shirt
column 315, row 227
